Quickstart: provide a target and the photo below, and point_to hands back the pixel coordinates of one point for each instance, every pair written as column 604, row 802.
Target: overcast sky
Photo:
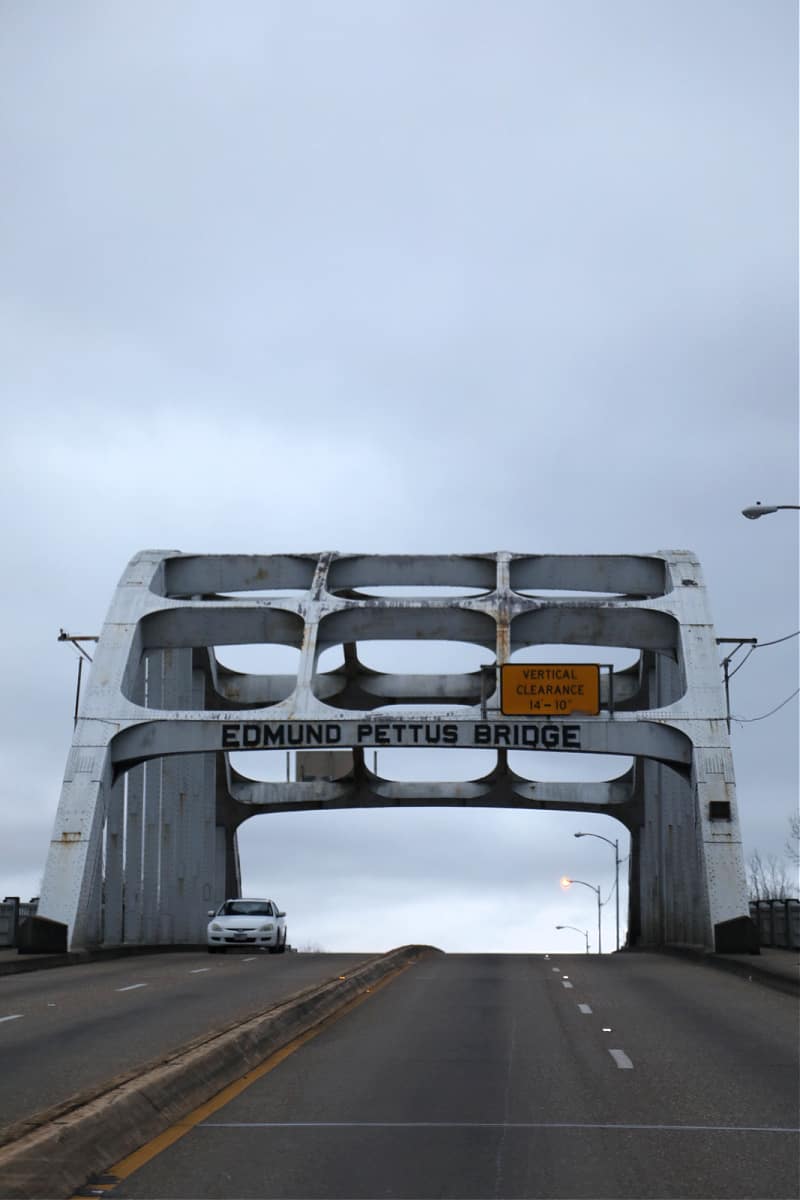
column 441, row 276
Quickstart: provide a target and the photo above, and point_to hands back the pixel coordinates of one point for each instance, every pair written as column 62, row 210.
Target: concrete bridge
column 145, row 837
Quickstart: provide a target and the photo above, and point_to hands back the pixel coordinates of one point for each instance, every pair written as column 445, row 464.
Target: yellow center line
column 133, row 1162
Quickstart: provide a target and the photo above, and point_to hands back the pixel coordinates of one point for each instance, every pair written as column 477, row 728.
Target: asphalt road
column 65, row 1030
column 489, row 1076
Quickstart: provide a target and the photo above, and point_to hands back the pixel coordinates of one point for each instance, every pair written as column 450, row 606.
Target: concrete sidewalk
column 13, row 963
column 772, row 963
column 773, row 966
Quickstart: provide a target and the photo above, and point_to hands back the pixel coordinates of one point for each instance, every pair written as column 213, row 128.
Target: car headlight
column 214, row 925
column 266, row 928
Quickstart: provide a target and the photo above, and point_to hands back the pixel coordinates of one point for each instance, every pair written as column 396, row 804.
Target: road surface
column 64, row 1030
column 632, row 1075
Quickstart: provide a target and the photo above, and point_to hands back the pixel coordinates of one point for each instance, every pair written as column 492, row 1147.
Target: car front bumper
column 250, row 939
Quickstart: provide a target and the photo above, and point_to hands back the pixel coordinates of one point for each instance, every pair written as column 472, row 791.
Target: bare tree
column 768, row 879
column 792, row 845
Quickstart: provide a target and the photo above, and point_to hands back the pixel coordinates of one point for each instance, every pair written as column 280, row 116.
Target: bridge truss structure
column 145, row 835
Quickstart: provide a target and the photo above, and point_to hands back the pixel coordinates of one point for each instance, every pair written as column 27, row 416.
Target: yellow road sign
column 549, row 689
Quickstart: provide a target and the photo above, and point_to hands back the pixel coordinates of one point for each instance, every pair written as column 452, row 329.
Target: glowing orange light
column 565, row 881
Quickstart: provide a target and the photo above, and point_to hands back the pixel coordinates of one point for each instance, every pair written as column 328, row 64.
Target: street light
column 761, row 510
column 566, row 882
column 615, row 844
column 585, row 933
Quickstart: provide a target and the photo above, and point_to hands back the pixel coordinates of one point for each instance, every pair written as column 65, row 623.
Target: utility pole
column 725, row 664
column 76, row 639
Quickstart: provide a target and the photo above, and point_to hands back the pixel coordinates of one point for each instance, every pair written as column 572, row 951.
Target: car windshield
column 246, row 908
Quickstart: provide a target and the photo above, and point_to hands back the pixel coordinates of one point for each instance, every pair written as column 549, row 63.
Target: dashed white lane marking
column 131, row 987
column 13, row 1017
column 566, row 983
column 253, row 959
column 556, row 969
column 584, row 1008
column 199, row 970
column 621, row 1059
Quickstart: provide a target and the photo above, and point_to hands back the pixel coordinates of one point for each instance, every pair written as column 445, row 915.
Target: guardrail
column 777, row 922
column 12, row 913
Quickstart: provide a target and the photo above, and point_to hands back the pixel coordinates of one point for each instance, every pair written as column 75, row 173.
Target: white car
column 244, row 922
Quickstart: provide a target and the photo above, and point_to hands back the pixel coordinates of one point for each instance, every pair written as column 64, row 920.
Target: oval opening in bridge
column 418, row 712
column 420, row 575
column 598, row 576
column 396, row 657
column 423, row 676
column 260, row 659
column 419, row 592
column 423, row 657
column 207, row 575
column 566, row 767
column 266, row 766
column 330, row 659
column 566, row 594
column 265, row 594
column 290, row 766
column 621, row 658
column 431, row 765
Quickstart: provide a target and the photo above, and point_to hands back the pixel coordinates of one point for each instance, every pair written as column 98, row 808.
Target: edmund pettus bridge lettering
column 259, row 735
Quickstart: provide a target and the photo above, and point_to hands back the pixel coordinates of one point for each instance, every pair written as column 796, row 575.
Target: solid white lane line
column 199, row 970
column 131, row 987
column 566, row 983
column 584, row 1008
column 13, row 1017
column 793, row 1129
column 621, row 1059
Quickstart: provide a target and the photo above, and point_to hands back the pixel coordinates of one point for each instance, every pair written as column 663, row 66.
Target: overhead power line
column 755, row 646
column 729, row 674
column 761, row 645
column 744, row 660
column 763, row 717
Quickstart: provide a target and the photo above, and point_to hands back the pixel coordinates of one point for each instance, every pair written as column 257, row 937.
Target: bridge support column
column 151, row 850
column 73, row 878
column 113, row 893
column 134, row 834
column 688, row 874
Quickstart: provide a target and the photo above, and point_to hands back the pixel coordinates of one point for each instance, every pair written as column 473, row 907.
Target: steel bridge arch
column 144, row 838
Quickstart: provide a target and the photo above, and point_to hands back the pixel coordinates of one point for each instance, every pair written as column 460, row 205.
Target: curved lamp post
column 761, row 510
column 567, row 882
column 615, row 845
column 585, row 933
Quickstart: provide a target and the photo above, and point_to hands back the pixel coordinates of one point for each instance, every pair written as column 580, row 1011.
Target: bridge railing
column 12, row 913
column 778, row 922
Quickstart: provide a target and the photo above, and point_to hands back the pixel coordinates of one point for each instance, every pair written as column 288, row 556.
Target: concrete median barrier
column 53, row 1153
